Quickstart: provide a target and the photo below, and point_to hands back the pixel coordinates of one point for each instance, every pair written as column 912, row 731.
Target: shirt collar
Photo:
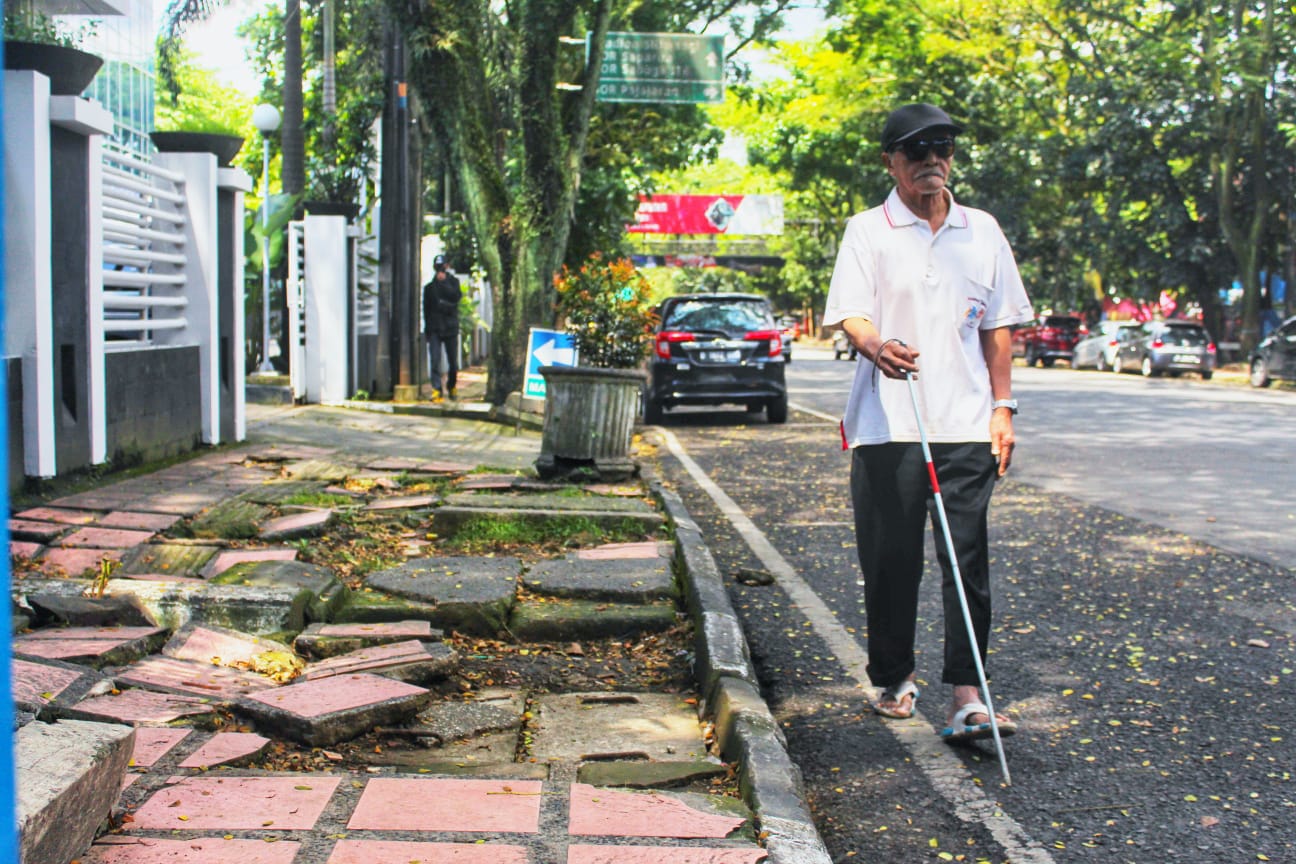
column 898, row 215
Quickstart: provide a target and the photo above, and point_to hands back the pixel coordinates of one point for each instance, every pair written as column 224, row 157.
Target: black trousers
column 893, row 502
column 446, row 341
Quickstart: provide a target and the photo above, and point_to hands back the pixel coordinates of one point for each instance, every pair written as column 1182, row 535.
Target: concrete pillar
column 29, row 316
column 232, row 183
column 327, row 361
column 201, row 283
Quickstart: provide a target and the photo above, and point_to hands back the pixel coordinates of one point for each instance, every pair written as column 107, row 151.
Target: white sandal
column 895, row 694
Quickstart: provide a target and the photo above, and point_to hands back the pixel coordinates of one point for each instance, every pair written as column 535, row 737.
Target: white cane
column 958, row 579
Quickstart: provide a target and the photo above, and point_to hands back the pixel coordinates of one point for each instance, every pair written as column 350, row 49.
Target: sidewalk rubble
column 363, row 636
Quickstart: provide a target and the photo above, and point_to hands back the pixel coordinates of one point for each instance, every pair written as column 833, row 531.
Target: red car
column 1051, row 338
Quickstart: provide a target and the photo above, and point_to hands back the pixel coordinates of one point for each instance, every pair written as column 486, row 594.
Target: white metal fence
column 144, row 251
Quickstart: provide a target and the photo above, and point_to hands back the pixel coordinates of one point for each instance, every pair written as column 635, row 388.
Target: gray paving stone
column 172, row 559
column 48, row 687
column 411, row 661
column 79, row 611
column 327, row 592
column 648, row 775
column 618, row 581
column 233, row 519
column 261, row 611
column 472, row 595
column 582, row 726
column 369, row 607
column 565, row 620
column 330, row 640
column 449, row 520
column 473, row 738
column 296, row 526
column 327, row 470
column 69, row 776
column 279, row 491
column 326, row 711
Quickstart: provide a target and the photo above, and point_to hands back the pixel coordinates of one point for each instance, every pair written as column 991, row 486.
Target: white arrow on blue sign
column 546, row 348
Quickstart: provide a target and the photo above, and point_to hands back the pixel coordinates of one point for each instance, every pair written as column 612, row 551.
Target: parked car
column 791, row 331
column 1170, row 347
column 1098, row 349
column 1275, row 356
column 1051, row 338
column 714, row 349
column 842, row 346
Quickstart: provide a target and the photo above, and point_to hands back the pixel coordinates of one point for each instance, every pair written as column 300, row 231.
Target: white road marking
column 946, row 773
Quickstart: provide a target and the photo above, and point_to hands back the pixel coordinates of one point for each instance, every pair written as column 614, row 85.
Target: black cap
column 909, row 120
column 438, row 261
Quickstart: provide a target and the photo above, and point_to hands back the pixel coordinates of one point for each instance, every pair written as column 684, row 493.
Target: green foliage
column 605, row 307
column 498, row 533
column 203, row 104
column 23, row 23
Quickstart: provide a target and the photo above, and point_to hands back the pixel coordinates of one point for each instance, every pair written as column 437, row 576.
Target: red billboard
column 708, row 214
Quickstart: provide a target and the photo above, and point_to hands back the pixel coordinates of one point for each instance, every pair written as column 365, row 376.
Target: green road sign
column 662, row 67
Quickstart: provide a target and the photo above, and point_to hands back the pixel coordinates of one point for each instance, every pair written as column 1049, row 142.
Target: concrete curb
column 746, row 731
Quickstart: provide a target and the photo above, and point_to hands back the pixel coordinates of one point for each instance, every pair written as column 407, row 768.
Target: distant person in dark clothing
column 441, row 327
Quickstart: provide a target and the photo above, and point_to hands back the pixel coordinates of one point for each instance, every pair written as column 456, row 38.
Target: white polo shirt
column 934, row 292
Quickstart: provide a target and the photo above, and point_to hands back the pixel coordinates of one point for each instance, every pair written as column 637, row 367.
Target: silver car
column 1098, row 349
column 1172, row 347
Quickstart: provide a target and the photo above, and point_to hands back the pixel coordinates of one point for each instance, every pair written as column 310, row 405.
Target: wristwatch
column 1010, row 404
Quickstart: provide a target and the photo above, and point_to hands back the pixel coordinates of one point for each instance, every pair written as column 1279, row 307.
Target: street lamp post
column 266, row 119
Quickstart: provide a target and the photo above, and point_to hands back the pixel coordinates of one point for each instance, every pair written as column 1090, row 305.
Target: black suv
column 1275, row 356
column 711, row 349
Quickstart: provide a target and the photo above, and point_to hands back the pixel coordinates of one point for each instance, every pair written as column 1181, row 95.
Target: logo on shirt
column 975, row 312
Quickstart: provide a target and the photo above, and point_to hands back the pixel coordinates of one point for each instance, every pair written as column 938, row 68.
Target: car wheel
column 1046, row 362
column 652, row 411
column 1147, row 369
column 1029, row 356
column 1259, row 373
column 776, row 409
column 1101, row 363
column 837, row 355
column 1117, row 365
column 1206, row 376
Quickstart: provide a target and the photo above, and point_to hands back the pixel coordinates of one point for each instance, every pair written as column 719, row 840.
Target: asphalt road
column 1145, row 650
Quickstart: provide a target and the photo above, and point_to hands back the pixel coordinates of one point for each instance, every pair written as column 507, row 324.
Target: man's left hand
column 1001, row 438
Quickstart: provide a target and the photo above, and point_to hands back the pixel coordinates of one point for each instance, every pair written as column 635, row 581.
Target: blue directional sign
column 546, row 348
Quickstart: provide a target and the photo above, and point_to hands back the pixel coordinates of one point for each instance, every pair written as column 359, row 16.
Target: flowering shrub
column 605, row 306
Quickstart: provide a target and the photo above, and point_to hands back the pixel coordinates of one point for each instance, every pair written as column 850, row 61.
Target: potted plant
column 590, row 408
column 34, row 41
column 200, row 137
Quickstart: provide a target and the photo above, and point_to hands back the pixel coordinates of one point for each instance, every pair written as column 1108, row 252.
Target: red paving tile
column 225, row 747
column 620, row 551
column 69, row 650
column 229, row 557
column 24, row 549
column 213, row 646
column 407, row 851
column 138, row 521
column 370, row 660
column 662, row 855
column 330, row 695
column 39, row 682
column 64, row 515
column 383, row 630
column 75, row 562
column 443, row 804
column 297, row 523
column 142, row 707
column 120, row 634
column 609, row 813
column 281, row 803
column 407, row 503
column 200, row 850
column 105, row 538
column 31, row 530
column 151, row 744
column 193, row 678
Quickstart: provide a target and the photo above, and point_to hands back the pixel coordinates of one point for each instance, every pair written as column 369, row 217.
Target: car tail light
column 774, row 338
column 1158, row 343
column 1210, row 347
column 1113, row 343
column 666, row 337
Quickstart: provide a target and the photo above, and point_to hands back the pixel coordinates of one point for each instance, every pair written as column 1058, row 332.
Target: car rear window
column 1063, row 321
column 727, row 315
column 1184, row 336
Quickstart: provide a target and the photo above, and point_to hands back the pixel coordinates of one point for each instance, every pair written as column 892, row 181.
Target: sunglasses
column 916, row 149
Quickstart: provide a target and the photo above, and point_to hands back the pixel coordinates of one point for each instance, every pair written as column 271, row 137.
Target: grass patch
column 318, row 499
column 492, row 534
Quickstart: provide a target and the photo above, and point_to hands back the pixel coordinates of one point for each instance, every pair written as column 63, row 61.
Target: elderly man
column 923, row 276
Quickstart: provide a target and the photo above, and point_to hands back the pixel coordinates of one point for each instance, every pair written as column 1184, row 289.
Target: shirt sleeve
column 853, row 290
column 1009, row 303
